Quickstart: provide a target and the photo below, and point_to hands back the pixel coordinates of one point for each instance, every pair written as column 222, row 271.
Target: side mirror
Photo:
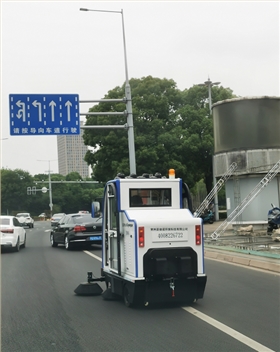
column 95, row 208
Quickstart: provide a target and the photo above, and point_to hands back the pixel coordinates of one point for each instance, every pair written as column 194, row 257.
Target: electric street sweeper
column 152, row 245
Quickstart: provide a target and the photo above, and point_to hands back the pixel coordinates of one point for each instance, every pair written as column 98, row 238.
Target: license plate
column 95, row 238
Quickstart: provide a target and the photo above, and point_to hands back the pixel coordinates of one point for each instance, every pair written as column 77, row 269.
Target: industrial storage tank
column 247, row 131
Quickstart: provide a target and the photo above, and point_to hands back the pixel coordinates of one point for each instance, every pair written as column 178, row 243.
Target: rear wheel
column 270, row 229
column 53, row 243
column 127, row 297
column 24, row 243
column 17, row 247
column 67, row 243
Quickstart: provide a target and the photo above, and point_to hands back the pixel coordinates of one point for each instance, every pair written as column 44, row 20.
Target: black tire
column 24, row 243
column 211, row 221
column 127, row 297
column 270, row 229
column 67, row 244
column 53, row 243
column 17, row 247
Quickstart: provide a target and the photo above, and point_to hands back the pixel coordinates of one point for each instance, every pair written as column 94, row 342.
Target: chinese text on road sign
column 44, row 114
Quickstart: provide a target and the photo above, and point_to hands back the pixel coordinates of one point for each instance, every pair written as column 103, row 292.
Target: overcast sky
column 53, row 48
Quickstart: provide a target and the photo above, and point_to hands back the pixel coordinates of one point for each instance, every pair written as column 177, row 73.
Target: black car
column 77, row 229
column 55, row 218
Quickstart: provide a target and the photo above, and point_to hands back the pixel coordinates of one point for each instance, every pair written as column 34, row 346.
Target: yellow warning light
column 171, row 173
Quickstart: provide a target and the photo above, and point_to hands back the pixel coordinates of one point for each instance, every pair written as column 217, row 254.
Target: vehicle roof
column 82, row 215
column 7, row 216
column 84, row 218
column 79, row 214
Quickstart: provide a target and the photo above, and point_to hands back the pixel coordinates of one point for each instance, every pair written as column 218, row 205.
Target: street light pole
column 50, row 186
column 130, row 127
column 50, row 189
column 210, row 84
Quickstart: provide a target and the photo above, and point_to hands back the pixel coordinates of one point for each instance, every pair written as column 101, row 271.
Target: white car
column 25, row 219
column 13, row 235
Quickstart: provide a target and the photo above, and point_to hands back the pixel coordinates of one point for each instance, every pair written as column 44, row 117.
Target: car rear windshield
column 5, row 221
column 82, row 218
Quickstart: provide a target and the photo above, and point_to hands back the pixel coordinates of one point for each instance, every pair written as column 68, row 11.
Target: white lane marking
column 227, row 330
column 93, row 255
column 231, row 332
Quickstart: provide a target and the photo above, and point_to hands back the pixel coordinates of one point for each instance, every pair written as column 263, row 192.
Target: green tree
column 155, row 102
column 197, row 123
column 172, row 129
column 66, row 197
column 14, row 185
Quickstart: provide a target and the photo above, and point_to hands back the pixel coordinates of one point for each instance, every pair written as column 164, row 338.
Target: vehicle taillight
column 141, row 236
column 79, row 228
column 197, row 234
column 7, row 230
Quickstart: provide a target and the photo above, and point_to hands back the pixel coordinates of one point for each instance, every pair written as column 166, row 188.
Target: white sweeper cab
column 152, row 245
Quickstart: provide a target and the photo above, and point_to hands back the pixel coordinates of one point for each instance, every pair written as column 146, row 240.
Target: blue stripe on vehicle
column 202, row 242
column 181, row 193
column 135, row 243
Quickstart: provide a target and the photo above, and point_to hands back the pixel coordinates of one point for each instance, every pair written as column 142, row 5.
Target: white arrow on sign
column 68, row 104
column 39, row 105
column 21, row 112
column 52, row 104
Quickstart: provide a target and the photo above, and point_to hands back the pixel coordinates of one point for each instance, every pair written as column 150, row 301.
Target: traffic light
column 34, row 190
column 29, row 190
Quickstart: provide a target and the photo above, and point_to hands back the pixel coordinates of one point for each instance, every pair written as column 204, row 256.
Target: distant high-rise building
column 71, row 152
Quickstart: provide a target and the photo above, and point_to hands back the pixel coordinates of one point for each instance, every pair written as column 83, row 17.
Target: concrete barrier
column 268, row 264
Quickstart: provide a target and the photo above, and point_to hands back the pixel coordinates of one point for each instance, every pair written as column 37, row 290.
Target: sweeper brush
column 89, row 288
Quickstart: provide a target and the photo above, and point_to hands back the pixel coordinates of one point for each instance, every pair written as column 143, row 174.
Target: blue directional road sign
column 44, row 114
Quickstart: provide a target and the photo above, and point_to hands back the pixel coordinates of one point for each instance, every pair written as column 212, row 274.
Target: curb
column 269, row 264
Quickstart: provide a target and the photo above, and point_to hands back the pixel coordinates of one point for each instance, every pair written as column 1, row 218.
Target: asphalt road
column 40, row 311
